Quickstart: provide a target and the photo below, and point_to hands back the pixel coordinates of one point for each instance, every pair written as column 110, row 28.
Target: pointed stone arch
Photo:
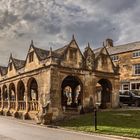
column 5, row 93
column 21, row 91
column 72, row 92
column 12, row 92
column 104, row 92
column 32, row 89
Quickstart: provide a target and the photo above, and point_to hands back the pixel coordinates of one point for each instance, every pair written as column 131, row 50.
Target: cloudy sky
column 52, row 23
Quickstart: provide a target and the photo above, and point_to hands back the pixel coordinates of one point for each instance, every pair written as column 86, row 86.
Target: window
column 136, row 54
column 31, row 57
column 136, row 69
column 115, row 57
column 135, row 86
column 73, row 54
column 10, row 66
column 125, row 87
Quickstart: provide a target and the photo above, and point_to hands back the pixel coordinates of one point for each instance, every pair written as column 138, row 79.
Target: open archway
column 104, row 92
column 0, row 98
column 32, row 89
column 5, row 93
column 71, row 92
column 12, row 94
column 20, row 91
column 0, row 94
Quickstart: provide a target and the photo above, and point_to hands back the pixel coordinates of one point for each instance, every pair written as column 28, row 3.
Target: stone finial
column 10, row 55
column 50, row 53
column 88, row 45
column 73, row 37
column 103, row 44
column 32, row 43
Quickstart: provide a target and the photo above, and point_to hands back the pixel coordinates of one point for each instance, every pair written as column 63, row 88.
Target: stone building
column 127, row 57
column 62, row 79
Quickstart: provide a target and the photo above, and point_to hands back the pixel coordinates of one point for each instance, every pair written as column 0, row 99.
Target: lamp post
column 95, row 115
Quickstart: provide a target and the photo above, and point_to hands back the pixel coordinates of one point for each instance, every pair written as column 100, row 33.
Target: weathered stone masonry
column 63, row 80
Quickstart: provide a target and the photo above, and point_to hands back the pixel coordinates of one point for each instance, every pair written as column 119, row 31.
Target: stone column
column 16, row 101
column 16, row 95
column 25, row 115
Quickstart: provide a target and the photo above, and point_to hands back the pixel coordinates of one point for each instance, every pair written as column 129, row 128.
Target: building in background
column 127, row 57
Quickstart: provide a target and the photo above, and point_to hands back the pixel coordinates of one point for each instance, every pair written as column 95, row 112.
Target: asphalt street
column 12, row 129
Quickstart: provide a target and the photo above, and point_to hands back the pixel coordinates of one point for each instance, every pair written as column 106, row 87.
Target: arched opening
column 12, row 94
column 103, row 93
column 5, row 93
column 32, row 90
column 5, row 96
column 21, row 91
column 32, row 94
column 0, row 95
column 0, row 98
column 71, row 92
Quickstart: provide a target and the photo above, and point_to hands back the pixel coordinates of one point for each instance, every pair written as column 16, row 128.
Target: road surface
column 12, row 129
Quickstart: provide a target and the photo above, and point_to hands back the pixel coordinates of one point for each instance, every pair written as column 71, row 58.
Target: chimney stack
column 109, row 43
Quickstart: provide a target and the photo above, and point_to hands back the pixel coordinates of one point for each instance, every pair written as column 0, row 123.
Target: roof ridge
column 127, row 43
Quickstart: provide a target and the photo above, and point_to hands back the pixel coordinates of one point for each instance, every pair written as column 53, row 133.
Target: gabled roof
column 18, row 63
column 61, row 51
column 3, row 70
column 41, row 54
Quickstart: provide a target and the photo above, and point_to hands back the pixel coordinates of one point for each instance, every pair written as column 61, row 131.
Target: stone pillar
column 8, row 97
column 27, row 98
column 16, row 94
column 25, row 115
column 16, row 101
column 1, row 111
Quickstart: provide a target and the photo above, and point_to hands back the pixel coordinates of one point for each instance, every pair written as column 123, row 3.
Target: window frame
column 136, row 69
column 31, row 56
column 136, row 54
column 10, row 66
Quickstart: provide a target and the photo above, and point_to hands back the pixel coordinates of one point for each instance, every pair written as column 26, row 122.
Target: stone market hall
column 61, row 80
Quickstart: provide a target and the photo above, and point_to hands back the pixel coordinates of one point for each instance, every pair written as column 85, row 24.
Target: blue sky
column 52, row 23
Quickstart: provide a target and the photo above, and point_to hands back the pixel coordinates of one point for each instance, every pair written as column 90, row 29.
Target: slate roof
column 121, row 48
column 3, row 70
column 41, row 54
column 124, row 48
column 18, row 63
column 60, row 52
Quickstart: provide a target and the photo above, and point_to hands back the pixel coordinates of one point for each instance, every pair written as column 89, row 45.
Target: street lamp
column 95, row 114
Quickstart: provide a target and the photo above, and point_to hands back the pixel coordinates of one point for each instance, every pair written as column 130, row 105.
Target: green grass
column 122, row 123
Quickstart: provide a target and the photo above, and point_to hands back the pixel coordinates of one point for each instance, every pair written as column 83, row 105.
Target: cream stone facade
column 127, row 58
column 58, row 81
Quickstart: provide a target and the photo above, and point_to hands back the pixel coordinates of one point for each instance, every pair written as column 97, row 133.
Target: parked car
column 129, row 97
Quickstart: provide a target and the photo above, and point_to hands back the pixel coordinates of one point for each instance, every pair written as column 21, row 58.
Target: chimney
column 109, row 43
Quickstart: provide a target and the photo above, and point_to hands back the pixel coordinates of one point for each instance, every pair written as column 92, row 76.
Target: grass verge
column 121, row 123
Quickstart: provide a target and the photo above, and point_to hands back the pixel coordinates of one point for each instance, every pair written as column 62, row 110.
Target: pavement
column 15, row 129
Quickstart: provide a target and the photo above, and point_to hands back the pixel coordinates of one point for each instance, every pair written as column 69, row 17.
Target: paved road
column 11, row 129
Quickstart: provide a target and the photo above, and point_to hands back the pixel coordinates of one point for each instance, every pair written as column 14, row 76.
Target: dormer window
column 73, row 54
column 115, row 58
column 31, row 57
column 10, row 66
